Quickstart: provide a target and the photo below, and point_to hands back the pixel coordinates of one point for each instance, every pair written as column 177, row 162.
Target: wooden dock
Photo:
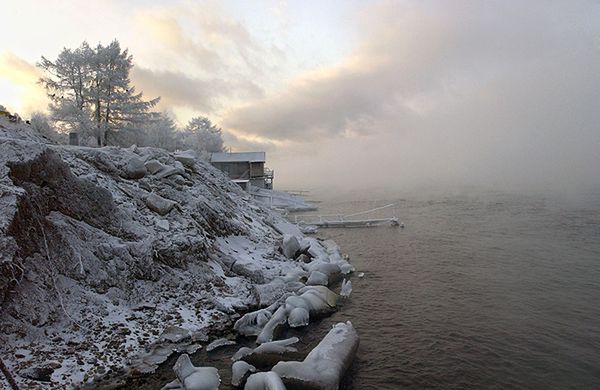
column 347, row 221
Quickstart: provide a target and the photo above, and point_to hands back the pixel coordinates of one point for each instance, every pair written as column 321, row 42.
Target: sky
column 350, row 95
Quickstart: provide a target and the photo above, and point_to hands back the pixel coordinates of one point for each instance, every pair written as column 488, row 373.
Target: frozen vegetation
column 113, row 259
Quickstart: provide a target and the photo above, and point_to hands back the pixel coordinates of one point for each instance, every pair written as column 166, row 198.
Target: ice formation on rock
column 268, row 354
column 195, row 378
column 324, row 367
column 240, row 371
column 264, row 381
column 298, row 317
column 218, row 344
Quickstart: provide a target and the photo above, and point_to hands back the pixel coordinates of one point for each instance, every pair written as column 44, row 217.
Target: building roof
column 238, row 157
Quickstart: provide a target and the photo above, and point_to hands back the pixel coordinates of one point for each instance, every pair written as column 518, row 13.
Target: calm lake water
column 477, row 291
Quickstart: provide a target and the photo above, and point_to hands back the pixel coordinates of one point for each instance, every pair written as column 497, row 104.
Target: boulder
column 187, row 158
column 264, row 381
column 159, row 204
column 134, row 169
column 317, row 278
column 324, row 367
column 290, row 246
column 274, row 325
column 196, row 378
column 251, row 324
column 240, row 371
column 153, row 166
column 170, row 171
column 298, row 317
column 268, row 354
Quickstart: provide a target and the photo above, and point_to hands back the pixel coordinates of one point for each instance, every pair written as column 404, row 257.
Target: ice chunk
column 264, row 381
column 346, row 288
column 251, row 324
column 196, row 378
column 219, row 343
column 298, row 317
column 324, row 367
column 240, row 371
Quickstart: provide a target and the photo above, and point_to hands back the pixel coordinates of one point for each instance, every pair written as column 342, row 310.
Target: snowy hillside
column 102, row 251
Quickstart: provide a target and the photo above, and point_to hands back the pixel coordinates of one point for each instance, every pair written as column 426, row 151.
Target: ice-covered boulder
column 298, row 317
column 240, row 371
column 274, row 324
column 268, row 354
column 332, row 270
column 134, row 169
column 330, row 246
column 196, row 378
column 319, row 299
column 316, row 250
column 317, row 278
column 218, row 344
column 264, row 381
column 159, row 204
column 290, row 246
column 251, row 324
column 324, row 367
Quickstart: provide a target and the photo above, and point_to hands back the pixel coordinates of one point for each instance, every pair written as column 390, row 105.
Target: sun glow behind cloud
column 381, row 93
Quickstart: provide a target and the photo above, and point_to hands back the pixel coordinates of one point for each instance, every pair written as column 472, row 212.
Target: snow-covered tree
column 201, row 135
column 91, row 92
column 161, row 133
column 41, row 124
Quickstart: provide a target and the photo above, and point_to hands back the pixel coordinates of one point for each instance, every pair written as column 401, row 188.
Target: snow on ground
column 102, row 251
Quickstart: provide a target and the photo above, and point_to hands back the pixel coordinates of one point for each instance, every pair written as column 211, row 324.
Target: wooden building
column 247, row 168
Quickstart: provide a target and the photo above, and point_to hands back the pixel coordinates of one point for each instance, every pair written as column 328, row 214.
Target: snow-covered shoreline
column 113, row 258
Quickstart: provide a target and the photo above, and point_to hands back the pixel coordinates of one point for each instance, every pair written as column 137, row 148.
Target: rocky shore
column 112, row 260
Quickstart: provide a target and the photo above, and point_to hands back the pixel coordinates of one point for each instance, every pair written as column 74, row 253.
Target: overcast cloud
column 503, row 94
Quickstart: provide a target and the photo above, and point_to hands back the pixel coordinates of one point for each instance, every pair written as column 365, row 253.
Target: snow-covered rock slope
column 101, row 250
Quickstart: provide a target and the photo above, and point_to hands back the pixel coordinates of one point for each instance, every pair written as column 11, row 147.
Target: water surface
column 487, row 290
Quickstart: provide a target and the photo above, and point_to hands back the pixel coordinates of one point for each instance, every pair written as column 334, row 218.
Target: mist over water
column 484, row 289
